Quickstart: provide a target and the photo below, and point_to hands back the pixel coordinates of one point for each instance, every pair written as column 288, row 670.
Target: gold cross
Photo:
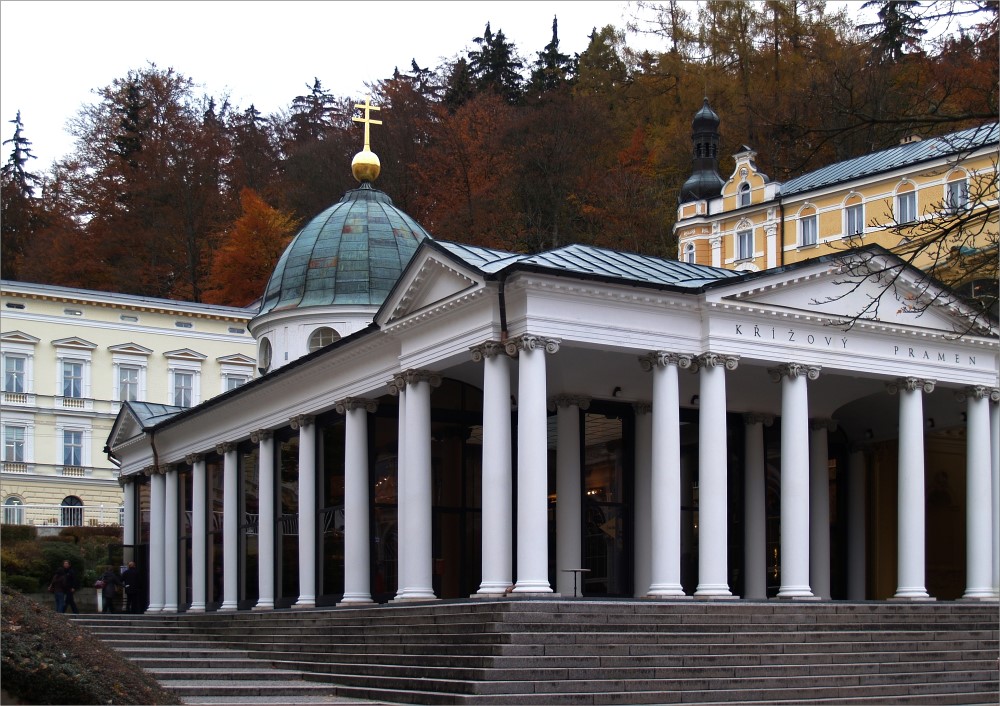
column 367, row 120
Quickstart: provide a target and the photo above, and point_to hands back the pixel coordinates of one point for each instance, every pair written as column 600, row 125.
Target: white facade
column 553, row 346
column 69, row 359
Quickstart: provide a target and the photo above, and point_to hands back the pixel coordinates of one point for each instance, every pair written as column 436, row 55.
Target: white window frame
column 72, row 448
column 809, row 230
column 906, row 207
column 129, row 356
column 956, row 195
column 127, row 383
column 182, row 386
column 14, row 448
column 689, row 254
column 26, row 351
column 74, row 351
column 184, row 362
column 744, row 244
column 743, row 195
column 854, row 219
column 79, row 425
column 312, row 336
column 25, row 422
column 10, row 374
column 75, row 381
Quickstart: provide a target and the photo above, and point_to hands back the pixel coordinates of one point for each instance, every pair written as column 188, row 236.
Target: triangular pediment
column 130, row 349
column 857, row 289
column 18, row 337
column 236, row 359
column 134, row 418
column 74, row 342
column 432, row 279
column 185, row 354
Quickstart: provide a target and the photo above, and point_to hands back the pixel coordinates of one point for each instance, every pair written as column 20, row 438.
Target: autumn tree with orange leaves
column 249, row 251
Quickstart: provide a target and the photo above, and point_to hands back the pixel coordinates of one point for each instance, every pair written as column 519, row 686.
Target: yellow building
column 69, row 357
column 933, row 202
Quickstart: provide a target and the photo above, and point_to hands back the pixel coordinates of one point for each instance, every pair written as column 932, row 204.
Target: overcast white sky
column 53, row 55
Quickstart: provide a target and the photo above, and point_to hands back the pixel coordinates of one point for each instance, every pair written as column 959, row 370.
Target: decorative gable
column 19, row 337
column 430, row 281
column 236, row 359
column 127, row 428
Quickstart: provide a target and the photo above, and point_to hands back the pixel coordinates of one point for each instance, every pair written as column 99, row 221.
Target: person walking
column 57, row 587
column 133, row 588
column 69, row 577
column 109, row 591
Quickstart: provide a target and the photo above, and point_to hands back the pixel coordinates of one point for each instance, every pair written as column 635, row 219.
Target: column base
column 355, row 602
column 979, row 594
column 494, row 588
column 264, row 605
column 666, row 597
column 713, row 591
column 798, row 598
column 228, row 607
column 415, row 594
column 196, row 608
column 304, row 602
column 535, row 594
column 534, row 587
column 666, row 591
column 912, row 594
column 154, row 609
column 796, row 592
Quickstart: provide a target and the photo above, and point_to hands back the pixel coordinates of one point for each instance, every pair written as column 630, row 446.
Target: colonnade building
column 579, row 422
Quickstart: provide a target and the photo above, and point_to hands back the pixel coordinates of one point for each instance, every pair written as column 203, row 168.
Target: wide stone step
column 275, row 689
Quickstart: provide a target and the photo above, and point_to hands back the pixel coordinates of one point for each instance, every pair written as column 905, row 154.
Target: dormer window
column 321, row 337
column 744, row 195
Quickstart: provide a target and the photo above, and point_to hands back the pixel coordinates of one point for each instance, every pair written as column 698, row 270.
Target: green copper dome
column 351, row 254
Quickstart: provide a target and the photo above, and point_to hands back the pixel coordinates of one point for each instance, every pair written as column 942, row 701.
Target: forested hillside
column 172, row 193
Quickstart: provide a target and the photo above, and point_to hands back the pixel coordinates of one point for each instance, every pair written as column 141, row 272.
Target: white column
column 716, row 243
column 643, row 520
column 995, row 471
column 199, row 532
column 172, row 535
column 128, row 520
column 794, row 478
column 771, row 238
column 157, row 538
column 856, row 524
column 911, row 524
column 755, row 507
column 357, row 542
column 819, row 508
column 532, row 464
column 665, row 477
column 978, row 500
column 403, row 554
column 418, row 497
column 713, row 507
column 230, row 526
column 569, row 493
column 306, row 424
column 264, row 438
column 497, row 501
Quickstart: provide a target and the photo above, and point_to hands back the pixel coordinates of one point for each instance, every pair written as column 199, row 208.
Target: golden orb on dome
column 366, row 166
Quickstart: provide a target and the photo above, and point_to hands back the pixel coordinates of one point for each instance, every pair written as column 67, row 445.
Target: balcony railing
column 42, row 515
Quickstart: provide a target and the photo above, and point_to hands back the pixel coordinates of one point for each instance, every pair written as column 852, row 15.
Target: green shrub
column 47, row 659
column 17, row 533
column 26, row 584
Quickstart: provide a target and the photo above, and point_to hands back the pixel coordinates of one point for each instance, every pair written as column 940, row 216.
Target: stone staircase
column 577, row 652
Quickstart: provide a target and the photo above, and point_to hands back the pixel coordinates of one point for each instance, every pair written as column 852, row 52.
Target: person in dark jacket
column 71, row 584
column 57, row 587
column 133, row 588
column 109, row 592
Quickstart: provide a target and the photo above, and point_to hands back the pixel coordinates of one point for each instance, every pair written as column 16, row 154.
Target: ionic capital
column 530, row 342
column 794, row 370
column 716, row 360
column 349, row 404
column 487, row 349
column 641, row 408
column 301, row 420
column 413, row 376
column 192, row 459
column 661, row 359
column 225, row 447
column 910, row 385
column 977, row 392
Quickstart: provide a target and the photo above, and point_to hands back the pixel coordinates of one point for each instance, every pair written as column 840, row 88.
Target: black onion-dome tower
column 704, row 182
column 338, row 269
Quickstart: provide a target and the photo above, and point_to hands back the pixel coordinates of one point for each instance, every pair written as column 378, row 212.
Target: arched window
column 321, row 337
column 744, row 194
column 13, row 510
column 71, row 512
column 956, row 192
column 689, row 256
column 808, row 226
column 906, row 204
column 264, row 355
column 854, row 216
